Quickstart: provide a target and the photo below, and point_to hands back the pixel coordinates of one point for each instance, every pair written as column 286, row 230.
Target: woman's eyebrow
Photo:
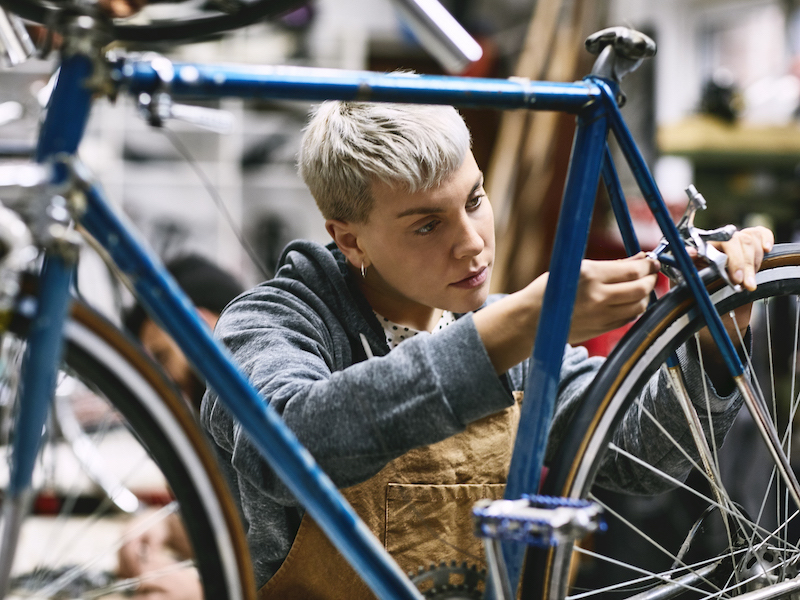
column 425, row 210
column 478, row 184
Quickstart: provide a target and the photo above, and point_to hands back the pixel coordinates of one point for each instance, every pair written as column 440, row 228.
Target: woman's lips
column 473, row 281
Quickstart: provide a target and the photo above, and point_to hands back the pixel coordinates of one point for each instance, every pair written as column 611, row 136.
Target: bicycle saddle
column 627, row 43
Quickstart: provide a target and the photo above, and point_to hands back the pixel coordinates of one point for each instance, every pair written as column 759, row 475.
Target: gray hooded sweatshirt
column 297, row 337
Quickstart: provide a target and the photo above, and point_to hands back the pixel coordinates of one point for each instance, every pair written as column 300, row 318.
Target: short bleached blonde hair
column 348, row 146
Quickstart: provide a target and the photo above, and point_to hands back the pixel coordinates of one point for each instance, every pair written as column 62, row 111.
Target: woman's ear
column 345, row 235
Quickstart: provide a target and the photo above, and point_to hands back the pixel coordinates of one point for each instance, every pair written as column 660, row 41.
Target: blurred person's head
column 210, row 289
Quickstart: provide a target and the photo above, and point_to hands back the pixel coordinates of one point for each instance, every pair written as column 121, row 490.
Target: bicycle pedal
column 537, row 520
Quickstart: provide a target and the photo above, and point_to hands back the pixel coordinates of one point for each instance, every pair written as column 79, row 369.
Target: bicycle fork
column 69, row 104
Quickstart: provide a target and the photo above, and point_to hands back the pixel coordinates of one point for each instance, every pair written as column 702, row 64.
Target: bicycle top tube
column 315, row 84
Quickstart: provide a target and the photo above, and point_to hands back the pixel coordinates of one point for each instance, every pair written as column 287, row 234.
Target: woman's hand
column 745, row 250
column 611, row 293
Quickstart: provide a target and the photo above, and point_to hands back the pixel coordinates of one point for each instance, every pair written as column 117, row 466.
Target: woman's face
column 429, row 250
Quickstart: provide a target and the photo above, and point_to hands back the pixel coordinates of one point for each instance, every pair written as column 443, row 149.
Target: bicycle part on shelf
column 646, row 552
column 619, row 51
column 17, row 181
column 450, row 581
column 16, row 45
column 18, row 255
column 440, row 34
column 47, row 209
column 537, row 520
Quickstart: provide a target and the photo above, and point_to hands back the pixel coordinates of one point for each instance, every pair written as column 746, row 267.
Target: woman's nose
column 470, row 242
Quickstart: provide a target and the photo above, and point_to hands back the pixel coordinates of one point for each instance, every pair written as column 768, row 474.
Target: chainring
column 450, row 581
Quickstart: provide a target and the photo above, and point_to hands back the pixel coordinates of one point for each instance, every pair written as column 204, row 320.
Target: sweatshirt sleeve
column 353, row 418
column 650, row 426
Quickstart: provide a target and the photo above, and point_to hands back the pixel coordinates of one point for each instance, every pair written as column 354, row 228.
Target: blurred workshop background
column 717, row 106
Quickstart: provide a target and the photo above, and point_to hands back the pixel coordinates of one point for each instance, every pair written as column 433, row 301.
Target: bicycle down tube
column 588, row 99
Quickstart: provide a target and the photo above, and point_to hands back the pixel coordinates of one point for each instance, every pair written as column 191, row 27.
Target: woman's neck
column 406, row 313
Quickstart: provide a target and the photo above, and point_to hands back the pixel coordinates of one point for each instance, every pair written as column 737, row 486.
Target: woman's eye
column 476, row 201
column 427, row 228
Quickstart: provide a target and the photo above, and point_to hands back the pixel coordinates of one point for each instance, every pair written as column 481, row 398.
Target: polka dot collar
column 398, row 333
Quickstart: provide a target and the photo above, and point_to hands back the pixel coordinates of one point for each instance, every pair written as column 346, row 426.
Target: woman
column 385, row 354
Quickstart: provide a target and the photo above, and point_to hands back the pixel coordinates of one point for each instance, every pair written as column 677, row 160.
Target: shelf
column 707, row 140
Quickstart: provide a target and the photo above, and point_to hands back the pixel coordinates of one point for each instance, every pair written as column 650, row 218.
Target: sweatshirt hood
column 322, row 271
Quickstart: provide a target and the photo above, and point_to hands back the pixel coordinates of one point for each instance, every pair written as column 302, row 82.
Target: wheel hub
column 764, row 566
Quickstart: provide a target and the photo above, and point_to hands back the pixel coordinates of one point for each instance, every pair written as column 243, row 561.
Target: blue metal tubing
column 60, row 132
column 68, row 110
column 162, row 298
column 302, row 83
column 39, row 370
column 618, row 205
column 623, row 218
column 556, row 315
column 653, row 198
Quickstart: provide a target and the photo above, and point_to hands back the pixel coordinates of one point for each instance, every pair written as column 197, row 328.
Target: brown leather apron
column 419, row 506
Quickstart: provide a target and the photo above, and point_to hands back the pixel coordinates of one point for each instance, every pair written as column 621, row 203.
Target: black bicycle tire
column 171, row 31
column 108, row 359
column 546, row 569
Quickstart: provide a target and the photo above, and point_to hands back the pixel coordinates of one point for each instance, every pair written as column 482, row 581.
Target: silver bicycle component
column 16, row 45
column 18, row 253
column 22, row 190
column 83, row 31
column 158, row 107
column 619, row 51
column 47, row 208
column 537, row 520
column 765, row 566
column 87, row 453
column 697, row 238
column 533, row 520
column 440, row 34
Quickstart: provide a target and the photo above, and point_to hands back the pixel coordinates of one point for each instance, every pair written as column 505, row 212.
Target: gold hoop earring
column 363, row 271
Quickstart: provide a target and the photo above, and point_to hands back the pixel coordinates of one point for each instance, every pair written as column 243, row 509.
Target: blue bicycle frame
column 591, row 100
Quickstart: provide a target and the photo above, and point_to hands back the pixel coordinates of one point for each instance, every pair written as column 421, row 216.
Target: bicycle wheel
column 708, row 537
column 184, row 30
column 139, row 442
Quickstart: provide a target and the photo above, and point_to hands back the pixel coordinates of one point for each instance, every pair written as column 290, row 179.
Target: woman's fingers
column 745, row 252
column 611, row 294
